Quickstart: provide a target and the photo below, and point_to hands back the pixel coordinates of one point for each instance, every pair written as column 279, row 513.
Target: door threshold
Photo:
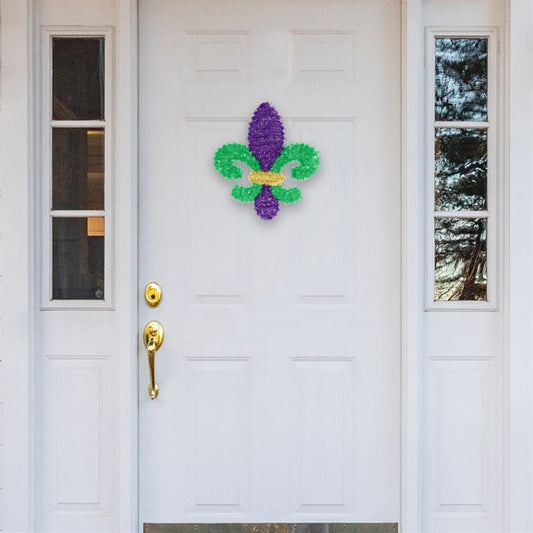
column 337, row 527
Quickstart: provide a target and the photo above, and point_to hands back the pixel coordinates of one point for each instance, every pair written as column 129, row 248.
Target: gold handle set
column 153, row 338
column 153, row 335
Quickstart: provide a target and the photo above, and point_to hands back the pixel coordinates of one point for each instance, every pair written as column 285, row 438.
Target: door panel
column 279, row 373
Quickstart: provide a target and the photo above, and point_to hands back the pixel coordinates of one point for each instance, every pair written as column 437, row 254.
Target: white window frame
column 495, row 172
column 47, row 124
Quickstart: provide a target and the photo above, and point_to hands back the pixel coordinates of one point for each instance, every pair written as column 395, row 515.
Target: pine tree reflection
column 461, row 168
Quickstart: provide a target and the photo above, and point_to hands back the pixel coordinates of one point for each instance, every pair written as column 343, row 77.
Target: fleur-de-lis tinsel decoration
column 265, row 155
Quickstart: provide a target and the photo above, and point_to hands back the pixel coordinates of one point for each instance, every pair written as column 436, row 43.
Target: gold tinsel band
column 266, row 178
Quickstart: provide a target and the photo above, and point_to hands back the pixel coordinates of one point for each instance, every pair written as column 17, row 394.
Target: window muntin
column 462, row 129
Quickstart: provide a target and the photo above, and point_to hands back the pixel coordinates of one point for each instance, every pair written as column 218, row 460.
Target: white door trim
column 126, row 246
column 16, row 316
column 412, row 261
column 519, row 327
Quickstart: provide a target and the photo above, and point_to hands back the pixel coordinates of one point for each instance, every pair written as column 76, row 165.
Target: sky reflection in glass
column 461, row 79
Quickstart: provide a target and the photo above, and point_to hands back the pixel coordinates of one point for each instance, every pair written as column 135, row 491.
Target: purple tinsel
column 265, row 136
column 266, row 204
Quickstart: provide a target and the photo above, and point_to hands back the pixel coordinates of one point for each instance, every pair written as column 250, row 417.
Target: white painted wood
column 325, row 225
column 126, row 264
column 78, row 429
column 221, row 474
column 79, row 469
column 463, row 344
column 324, row 53
column 278, row 376
column 77, row 32
column 77, row 476
column 412, row 261
column 74, row 214
column 225, row 52
column 463, row 438
column 519, row 370
column 316, row 378
column 15, row 157
column 84, row 364
column 461, row 214
column 452, row 124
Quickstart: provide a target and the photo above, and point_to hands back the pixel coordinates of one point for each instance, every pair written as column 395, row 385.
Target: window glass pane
column 460, row 259
column 461, row 79
column 460, row 169
column 77, row 168
column 78, row 79
column 78, row 258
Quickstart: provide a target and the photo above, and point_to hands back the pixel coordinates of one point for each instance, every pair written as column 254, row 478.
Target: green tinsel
column 246, row 194
column 227, row 154
column 287, row 196
column 304, row 154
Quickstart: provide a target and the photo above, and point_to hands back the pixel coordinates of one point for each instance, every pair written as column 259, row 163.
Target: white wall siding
column 15, row 260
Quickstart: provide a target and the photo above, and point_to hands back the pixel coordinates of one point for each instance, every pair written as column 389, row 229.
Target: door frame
column 519, row 279
column 19, row 297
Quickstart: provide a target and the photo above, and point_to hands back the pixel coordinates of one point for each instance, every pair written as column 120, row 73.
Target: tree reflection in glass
column 461, row 79
column 460, row 259
column 460, row 169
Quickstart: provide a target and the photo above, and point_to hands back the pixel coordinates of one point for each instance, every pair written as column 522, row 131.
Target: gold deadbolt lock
column 153, row 294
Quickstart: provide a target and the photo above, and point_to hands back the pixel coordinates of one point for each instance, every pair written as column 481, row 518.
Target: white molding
column 519, row 320
column 466, row 125
column 16, row 322
column 78, row 123
column 126, row 247
column 77, row 214
column 461, row 214
column 412, row 263
column 34, row 244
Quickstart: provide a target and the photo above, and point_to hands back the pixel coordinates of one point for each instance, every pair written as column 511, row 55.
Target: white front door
column 279, row 372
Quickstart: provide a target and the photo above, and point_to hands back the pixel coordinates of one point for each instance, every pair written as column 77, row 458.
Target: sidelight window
column 77, row 171
column 463, row 171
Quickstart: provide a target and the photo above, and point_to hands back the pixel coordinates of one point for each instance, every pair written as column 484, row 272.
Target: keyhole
column 152, row 294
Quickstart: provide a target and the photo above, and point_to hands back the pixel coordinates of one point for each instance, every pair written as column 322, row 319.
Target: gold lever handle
column 153, row 388
column 153, row 338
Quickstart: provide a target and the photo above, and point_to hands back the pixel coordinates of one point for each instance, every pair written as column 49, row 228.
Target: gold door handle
column 153, row 338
